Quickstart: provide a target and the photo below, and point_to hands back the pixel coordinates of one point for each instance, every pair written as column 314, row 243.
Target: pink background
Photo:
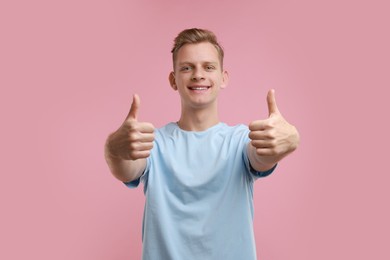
column 68, row 70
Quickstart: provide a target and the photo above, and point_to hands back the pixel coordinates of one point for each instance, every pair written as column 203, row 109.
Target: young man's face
column 198, row 75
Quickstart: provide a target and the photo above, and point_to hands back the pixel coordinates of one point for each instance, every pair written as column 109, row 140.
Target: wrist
column 260, row 163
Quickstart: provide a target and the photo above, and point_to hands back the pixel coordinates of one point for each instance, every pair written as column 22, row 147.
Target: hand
column 273, row 137
column 133, row 140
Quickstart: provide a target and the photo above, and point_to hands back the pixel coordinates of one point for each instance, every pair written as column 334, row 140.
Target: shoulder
column 167, row 129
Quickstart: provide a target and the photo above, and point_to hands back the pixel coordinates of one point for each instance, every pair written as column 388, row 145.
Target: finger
column 265, row 151
column 133, row 113
column 139, row 154
column 258, row 125
column 135, row 137
column 262, row 143
column 146, row 138
column 140, row 146
column 272, row 107
column 145, row 146
column 260, row 135
column 145, row 128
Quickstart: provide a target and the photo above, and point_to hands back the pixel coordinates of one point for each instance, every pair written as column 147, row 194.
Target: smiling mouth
column 199, row 87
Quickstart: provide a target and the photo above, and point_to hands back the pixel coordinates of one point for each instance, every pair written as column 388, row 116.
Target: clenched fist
column 273, row 138
column 133, row 140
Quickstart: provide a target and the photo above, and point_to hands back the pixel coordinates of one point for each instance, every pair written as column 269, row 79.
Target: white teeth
column 199, row 88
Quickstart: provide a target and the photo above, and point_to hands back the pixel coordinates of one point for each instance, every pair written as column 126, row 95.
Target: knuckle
column 273, row 143
column 133, row 146
column 133, row 136
column 271, row 123
column 133, row 155
column 133, row 126
column 271, row 134
column 143, row 154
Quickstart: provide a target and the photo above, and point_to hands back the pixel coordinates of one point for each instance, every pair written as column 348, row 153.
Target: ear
column 225, row 79
column 172, row 80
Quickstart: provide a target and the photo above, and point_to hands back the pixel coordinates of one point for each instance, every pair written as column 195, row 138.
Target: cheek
column 181, row 80
column 218, row 82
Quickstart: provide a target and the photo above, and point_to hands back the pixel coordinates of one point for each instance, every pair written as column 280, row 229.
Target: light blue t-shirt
column 199, row 195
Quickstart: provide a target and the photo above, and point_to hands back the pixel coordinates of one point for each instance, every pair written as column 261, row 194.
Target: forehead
column 198, row 52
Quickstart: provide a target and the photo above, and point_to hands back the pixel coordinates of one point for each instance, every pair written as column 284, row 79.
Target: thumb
column 133, row 113
column 272, row 107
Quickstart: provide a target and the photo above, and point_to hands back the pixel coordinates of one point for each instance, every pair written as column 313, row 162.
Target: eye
column 185, row 68
column 210, row 67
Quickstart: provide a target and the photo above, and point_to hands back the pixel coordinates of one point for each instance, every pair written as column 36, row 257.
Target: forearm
column 125, row 170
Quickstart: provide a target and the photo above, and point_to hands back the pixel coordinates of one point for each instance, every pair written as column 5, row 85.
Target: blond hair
column 195, row 35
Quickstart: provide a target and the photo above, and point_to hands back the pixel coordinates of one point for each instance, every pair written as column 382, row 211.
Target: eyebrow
column 204, row 62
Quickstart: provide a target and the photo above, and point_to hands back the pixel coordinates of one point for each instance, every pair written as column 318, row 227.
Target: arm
column 272, row 139
column 127, row 148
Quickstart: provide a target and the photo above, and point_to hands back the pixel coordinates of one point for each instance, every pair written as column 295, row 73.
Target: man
column 198, row 173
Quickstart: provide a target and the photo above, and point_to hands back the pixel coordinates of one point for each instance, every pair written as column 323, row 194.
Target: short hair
column 195, row 35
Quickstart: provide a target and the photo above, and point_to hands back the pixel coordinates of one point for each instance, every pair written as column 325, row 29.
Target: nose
column 197, row 75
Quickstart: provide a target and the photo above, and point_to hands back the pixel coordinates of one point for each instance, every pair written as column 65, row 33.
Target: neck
column 198, row 119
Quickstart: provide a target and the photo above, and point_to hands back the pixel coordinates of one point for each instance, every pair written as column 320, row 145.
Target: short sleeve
column 255, row 174
column 133, row 184
column 258, row 174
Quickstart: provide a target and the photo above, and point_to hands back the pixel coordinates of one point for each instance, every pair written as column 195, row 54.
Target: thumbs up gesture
column 273, row 138
column 133, row 140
